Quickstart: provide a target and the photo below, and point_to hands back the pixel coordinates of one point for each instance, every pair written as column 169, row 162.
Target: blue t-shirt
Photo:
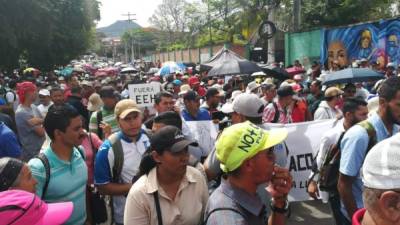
column 67, row 182
column 353, row 151
column 202, row 114
column 9, row 145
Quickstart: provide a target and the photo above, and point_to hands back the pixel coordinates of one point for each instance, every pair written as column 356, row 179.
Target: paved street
column 310, row 213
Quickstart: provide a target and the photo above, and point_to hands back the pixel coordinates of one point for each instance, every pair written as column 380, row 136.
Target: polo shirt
column 228, row 196
column 186, row 209
column 353, row 151
column 104, row 163
column 9, row 145
column 67, row 182
column 202, row 115
column 108, row 117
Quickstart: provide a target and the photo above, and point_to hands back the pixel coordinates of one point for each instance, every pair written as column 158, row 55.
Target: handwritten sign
column 143, row 94
column 303, row 143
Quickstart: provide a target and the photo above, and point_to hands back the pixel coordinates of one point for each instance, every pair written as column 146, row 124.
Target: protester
column 315, row 96
column 194, row 84
column 163, row 102
column 103, row 122
column 268, row 92
column 117, row 161
column 213, row 100
column 45, row 100
column 8, row 121
column 57, row 96
column 29, row 121
column 60, row 170
column 192, row 111
column 354, row 111
column 277, row 111
column 356, row 141
column 15, row 174
column 20, row 208
column 94, row 103
column 380, row 176
column 253, row 88
column 75, row 100
column 246, row 167
column 328, row 109
column 9, row 144
column 179, row 190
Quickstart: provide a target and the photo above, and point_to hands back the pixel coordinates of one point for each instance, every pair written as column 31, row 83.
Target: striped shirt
column 67, row 182
column 108, row 117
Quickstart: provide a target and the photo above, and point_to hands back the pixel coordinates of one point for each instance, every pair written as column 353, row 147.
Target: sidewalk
column 310, row 213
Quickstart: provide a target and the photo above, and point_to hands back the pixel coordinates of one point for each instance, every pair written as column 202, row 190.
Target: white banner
column 303, row 143
column 205, row 133
column 143, row 94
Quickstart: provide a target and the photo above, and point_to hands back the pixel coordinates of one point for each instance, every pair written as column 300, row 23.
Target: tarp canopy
column 219, row 58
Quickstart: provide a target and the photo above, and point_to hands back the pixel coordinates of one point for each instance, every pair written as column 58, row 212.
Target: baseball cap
column 184, row 89
column 193, row 80
column 243, row 141
column 252, row 86
column 212, row 92
column 124, row 107
column 381, row 168
column 248, row 105
column 170, row 138
column 20, row 208
column 332, row 92
column 191, row 96
column 285, row 90
column 107, row 92
column 44, row 92
column 392, row 65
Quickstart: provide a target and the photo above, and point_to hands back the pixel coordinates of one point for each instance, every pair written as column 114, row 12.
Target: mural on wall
column 375, row 42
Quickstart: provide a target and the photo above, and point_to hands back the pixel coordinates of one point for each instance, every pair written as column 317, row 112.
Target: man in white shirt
column 45, row 100
column 354, row 110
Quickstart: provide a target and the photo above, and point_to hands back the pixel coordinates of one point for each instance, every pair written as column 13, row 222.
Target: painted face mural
column 337, row 53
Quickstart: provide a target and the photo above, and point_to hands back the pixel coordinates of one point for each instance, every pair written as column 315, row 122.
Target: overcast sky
column 112, row 10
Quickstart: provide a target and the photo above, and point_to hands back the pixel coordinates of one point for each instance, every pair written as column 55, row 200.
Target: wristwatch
column 283, row 210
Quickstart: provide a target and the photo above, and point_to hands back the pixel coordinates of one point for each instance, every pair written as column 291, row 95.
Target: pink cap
column 20, row 208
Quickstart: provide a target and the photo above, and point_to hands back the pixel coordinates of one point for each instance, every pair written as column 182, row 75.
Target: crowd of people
column 77, row 150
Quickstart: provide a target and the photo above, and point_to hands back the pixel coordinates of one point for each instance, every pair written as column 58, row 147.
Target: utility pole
column 130, row 19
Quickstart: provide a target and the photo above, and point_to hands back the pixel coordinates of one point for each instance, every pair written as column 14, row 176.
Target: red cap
column 193, row 80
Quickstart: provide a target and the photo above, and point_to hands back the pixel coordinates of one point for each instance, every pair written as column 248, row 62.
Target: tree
column 45, row 32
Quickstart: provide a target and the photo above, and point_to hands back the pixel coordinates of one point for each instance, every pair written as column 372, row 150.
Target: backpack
column 329, row 172
column 277, row 113
column 221, row 209
column 43, row 158
column 99, row 118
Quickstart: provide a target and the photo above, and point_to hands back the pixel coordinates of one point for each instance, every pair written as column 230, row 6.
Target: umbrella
column 258, row 74
column 129, row 70
column 295, row 70
column 31, row 70
column 101, row 73
column 66, row 71
column 275, row 72
column 352, row 75
column 171, row 67
column 234, row 67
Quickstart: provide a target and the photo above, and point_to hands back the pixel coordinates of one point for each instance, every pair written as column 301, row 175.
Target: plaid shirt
column 252, row 210
column 269, row 114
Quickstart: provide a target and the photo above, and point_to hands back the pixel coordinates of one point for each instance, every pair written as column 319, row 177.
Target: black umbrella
column 352, row 75
column 234, row 67
column 276, row 72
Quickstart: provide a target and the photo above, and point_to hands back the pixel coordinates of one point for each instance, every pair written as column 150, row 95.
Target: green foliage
column 45, row 33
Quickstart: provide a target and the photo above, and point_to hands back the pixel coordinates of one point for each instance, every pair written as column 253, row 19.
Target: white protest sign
column 303, row 143
column 205, row 133
column 143, row 94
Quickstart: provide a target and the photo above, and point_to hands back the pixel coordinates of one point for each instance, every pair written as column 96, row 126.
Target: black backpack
column 329, row 172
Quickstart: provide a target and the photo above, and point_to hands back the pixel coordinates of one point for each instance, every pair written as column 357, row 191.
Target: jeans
column 340, row 219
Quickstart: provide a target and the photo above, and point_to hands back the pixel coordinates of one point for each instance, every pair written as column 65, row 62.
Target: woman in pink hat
column 21, row 208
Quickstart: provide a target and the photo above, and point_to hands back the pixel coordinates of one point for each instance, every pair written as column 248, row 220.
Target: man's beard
column 390, row 117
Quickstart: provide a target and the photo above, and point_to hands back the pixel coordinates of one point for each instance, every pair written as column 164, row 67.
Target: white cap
column 252, row 86
column 381, row 168
column 44, row 92
column 391, row 64
column 248, row 105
